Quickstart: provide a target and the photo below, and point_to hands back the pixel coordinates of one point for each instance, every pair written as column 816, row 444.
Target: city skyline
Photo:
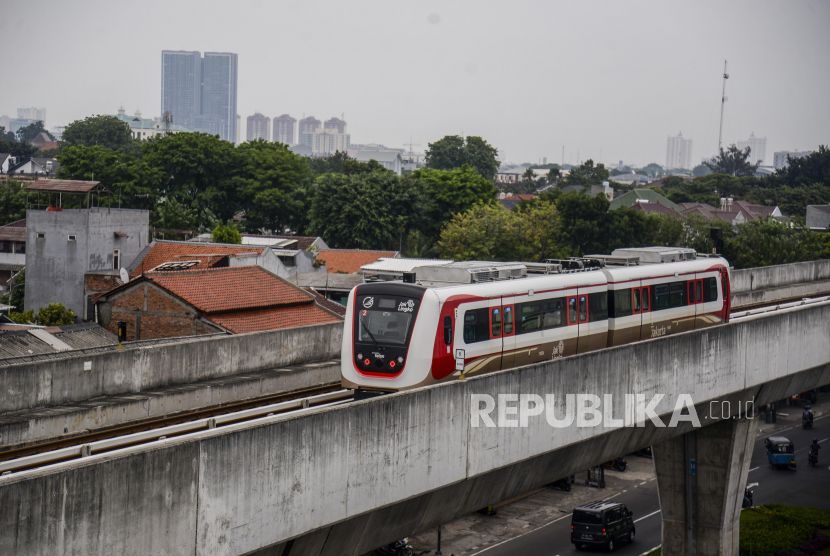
column 573, row 95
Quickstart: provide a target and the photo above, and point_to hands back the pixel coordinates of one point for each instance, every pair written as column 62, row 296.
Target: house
column 634, row 196
column 510, row 175
column 818, row 217
column 12, row 251
column 297, row 253
column 349, row 261
column 195, row 255
column 142, row 128
column 333, row 287
column 236, row 300
column 63, row 245
column 43, row 142
column 391, row 160
column 393, row 269
column 511, row 201
column 630, row 178
column 27, row 340
column 653, row 208
column 6, row 162
column 36, row 165
column 734, row 212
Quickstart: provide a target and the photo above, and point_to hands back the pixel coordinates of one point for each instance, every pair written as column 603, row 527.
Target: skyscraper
column 678, row 152
column 258, row 127
column 32, row 114
column 284, row 129
column 757, row 148
column 201, row 92
column 335, row 123
column 306, row 130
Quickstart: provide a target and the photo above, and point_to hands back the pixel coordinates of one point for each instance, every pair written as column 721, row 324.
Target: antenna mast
column 722, row 103
column 167, row 118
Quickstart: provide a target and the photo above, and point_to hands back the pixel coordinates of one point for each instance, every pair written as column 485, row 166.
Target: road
column 805, row 487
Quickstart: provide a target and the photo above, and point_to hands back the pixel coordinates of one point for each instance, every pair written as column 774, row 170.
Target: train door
column 726, row 290
column 645, row 312
column 695, row 288
column 583, row 332
column 495, row 346
column 508, row 341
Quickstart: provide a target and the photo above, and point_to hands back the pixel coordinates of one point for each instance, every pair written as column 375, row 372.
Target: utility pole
column 722, row 104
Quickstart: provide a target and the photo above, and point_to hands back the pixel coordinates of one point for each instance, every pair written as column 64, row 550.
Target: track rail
column 771, row 308
column 80, row 450
column 784, row 300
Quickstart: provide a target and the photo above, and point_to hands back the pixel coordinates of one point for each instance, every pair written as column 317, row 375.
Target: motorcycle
column 812, row 458
column 806, row 423
column 619, row 464
column 747, row 499
column 398, row 548
column 563, row 484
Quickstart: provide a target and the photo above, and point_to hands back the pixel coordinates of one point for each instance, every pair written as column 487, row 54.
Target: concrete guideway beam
column 366, row 473
column 712, row 491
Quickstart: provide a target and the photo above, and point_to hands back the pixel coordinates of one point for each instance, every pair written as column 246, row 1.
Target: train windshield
column 385, row 320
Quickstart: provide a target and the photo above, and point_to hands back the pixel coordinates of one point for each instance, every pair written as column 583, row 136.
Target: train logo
column 368, row 302
column 406, row 306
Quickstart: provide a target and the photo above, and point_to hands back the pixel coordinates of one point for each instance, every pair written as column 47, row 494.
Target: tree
column 12, row 202
column 18, row 291
column 367, row 211
column 484, row 233
column 587, row 174
column 27, row 133
column 807, row 170
column 171, row 215
column 54, row 314
column 127, row 177
column 19, row 150
column 195, row 169
column 769, row 242
column 106, row 131
column 733, row 162
column 6, row 135
column 271, row 186
column 226, row 234
column 701, row 170
column 451, row 192
column 652, row 169
column 22, row 317
column 453, row 152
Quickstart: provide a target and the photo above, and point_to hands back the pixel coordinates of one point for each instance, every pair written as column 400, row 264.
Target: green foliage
column 26, row 317
column 20, row 150
column 771, row 529
column 195, row 169
column 700, row 170
column 811, row 169
column 6, row 135
column 587, row 174
column 652, row 169
column 733, row 162
column 226, row 234
column 272, row 186
column 27, row 133
column 170, row 214
column 105, row 131
column 18, row 291
column 341, row 163
column 129, row 179
column 453, row 152
column 54, row 314
column 767, row 241
column 366, row 211
column 12, row 202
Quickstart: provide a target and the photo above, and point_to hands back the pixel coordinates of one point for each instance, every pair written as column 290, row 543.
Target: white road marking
column 750, row 485
column 645, row 516
column 522, row 535
column 784, row 414
column 644, row 482
column 822, row 440
column 647, row 552
column 610, row 497
column 753, row 469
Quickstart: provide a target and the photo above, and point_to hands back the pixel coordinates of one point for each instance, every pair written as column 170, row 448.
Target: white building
column 678, row 152
column 779, row 158
column 32, row 114
column 391, row 160
column 142, row 128
column 757, row 148
column 329, row 140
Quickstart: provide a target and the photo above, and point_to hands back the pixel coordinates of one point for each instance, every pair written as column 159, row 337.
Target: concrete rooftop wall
column 370, row 465
column 777, row 276
column 62, row 381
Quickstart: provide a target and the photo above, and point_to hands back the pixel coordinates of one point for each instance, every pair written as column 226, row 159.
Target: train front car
column 387, row 337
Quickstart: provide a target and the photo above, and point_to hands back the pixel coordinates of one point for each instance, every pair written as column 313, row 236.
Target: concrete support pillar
column 702, row 475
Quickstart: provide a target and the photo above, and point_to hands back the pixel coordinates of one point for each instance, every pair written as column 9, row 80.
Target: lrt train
column 451, row 321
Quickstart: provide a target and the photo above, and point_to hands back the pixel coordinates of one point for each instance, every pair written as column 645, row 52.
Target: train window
column 692, row 291
column 572, row 309
column 622, row 303
column 495, row 324
column 583, row 308
column 676, row 291
column 530, row 315
column 508, row 320
column 699, row 291
column 661, row 297
column 385, row 303
column 552, row 313
column 597, row 306
column 645, row 299
column 636, row 300
column 710, row 292
column 447, row 330
column 475, row 326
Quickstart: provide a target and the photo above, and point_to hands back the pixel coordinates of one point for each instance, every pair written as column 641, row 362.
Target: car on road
column 604, row 524
column 780, row 452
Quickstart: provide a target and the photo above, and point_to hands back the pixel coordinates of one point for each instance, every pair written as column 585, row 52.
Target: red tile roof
column 350, row 260
column 230, row 289
column 272, row 319
column 208, row 254
column 327, row 303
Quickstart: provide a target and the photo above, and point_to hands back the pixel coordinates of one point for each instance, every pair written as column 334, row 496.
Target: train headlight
column 360, row 356
column 400, row 360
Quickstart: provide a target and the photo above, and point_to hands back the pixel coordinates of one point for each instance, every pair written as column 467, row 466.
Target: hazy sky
column 603, row 79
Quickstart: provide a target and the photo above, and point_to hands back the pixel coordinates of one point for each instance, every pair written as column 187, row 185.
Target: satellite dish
column 125, row 276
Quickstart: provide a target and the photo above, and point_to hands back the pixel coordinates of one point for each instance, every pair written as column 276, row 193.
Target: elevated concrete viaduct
column 347, row 479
